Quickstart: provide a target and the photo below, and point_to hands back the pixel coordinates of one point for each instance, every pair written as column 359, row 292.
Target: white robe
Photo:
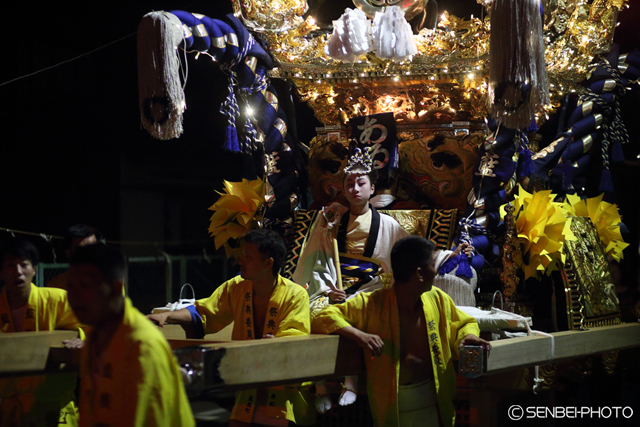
column 316, row 268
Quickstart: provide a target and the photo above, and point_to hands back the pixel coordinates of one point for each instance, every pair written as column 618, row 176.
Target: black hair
column 269, row 244
column 408, row 254
column 373, row 176
column 20, row 248
column 80, row 231
column 108, row 259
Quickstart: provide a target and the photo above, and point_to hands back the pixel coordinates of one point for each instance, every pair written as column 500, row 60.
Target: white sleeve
column 316, row 267
column 390, row 232
column 440, row 257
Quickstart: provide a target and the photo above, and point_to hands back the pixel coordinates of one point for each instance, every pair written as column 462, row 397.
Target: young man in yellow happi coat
column 411, row 333
column 24, row 307
column 129, row 376
column 262, row 304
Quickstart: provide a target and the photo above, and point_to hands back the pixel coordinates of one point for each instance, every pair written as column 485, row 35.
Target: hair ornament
column 360, row 162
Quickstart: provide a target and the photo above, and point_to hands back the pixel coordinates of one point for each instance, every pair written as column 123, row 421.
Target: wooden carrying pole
column 29, row 351
column 257, row 363
column 336, row 256
column 250, row 363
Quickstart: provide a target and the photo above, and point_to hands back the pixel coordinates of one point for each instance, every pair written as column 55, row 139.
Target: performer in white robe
column 364, row 238
column 367, row 237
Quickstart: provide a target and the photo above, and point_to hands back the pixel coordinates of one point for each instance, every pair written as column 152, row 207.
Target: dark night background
column 73, row 149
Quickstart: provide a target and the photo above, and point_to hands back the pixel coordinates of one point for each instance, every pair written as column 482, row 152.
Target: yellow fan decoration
column 236, row 212
column 542, row 228
column 606, row 219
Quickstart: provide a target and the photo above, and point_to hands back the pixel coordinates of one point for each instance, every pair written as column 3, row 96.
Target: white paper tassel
column 351, row 36
column 392, row 35
column 160, row 91
column 518, row 83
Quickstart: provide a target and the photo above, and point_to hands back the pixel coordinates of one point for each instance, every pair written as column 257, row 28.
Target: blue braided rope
column 474, row 229
column 259, row 84
column 613, row 128
column 524, row 154
column 230, row 106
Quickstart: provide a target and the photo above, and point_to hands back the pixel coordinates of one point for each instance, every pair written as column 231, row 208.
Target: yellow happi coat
column 135, row 381
column 377, row 313
column 35, row 400
column 287, row 315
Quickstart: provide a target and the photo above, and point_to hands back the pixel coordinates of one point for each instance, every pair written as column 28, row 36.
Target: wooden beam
column 247, row 364
column 294, row 359
column 176, row 332
column 254, row 363
column 29, row 351
column 536, row 350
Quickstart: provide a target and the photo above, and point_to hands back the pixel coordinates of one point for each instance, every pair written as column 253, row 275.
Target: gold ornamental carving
column 449, row 73
column 591, row 296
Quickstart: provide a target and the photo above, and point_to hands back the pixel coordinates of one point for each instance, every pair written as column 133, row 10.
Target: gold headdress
column 361, row 162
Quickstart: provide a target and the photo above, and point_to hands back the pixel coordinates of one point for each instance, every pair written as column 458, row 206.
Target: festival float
column 452, row 109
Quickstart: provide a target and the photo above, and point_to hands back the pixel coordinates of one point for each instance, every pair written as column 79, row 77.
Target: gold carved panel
column 591, row 296
column 413, row 222
column 437, row 225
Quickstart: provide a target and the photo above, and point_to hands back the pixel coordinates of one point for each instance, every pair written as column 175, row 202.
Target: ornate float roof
column 447, row 78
